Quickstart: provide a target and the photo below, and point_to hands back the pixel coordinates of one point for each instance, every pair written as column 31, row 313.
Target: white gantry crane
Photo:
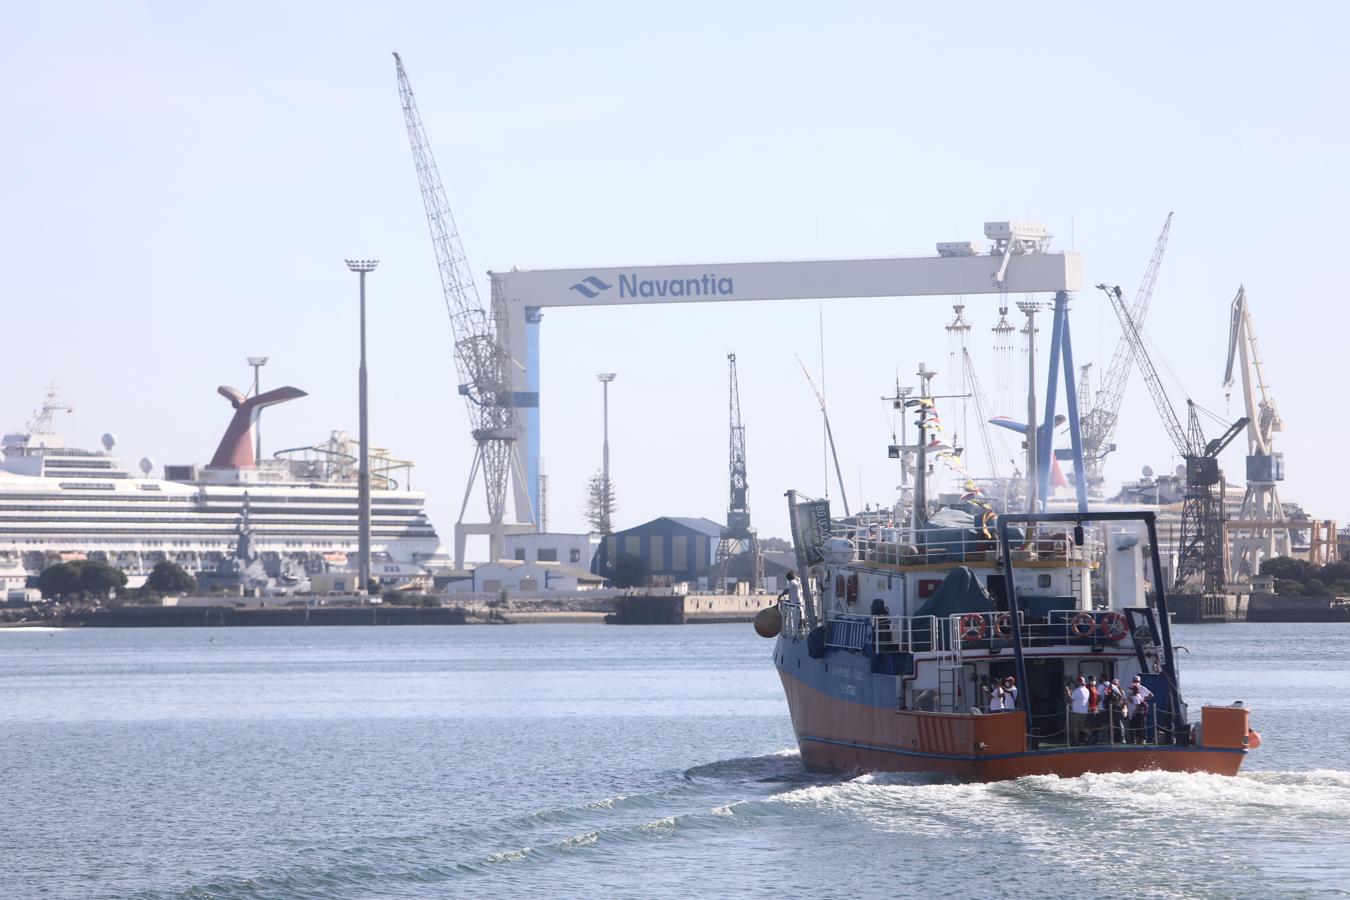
column 1102, row 413
column 481, row 356
column 1260, row 531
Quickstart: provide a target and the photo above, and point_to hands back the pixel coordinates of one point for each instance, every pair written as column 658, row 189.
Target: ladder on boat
column 949, row 668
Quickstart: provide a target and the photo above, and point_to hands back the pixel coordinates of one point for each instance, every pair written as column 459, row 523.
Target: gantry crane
column 1202, row 551
column 1260, row 531
column 481, row 358
column 1099, row 421
column 739, row 537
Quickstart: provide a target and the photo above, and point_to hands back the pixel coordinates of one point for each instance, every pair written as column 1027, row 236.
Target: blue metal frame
column 1061, row 349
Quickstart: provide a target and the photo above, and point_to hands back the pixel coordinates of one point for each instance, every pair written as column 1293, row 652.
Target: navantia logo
column 591, row 287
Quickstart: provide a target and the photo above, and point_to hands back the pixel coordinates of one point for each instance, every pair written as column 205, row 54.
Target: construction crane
column 481, row 359
column 1203, row 550
column 1260, row 531
column 1099, row 421
column 739, row 537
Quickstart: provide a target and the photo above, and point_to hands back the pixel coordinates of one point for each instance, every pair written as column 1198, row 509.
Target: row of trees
column 1297, row 578
column 91, row 580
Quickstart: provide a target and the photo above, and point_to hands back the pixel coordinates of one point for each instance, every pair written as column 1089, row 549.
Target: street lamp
column 605, row 379
column 361, row 267
column 257, row 362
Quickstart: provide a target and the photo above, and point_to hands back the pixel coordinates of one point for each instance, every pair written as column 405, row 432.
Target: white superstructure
column 58, row 502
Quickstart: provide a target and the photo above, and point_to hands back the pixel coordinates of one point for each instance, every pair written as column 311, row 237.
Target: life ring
column 972, row 627
column 1114, row 627
column 1003, row 625
column 1083, row 624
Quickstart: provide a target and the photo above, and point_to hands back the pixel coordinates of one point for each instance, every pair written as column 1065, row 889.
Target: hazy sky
column 182, row 182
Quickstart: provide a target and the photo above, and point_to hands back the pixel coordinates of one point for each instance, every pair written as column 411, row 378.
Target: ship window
column 520, row 553
column 548, row 554
column 1043, row 581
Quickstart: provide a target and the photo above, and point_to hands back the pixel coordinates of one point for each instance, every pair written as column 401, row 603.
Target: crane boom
column 1130, row 333
column 1099, row 423
column 480, row 341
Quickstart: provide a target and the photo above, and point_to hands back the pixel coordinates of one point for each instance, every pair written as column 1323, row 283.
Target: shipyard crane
column 1260, row 531
column 739, row 537
column 481, row 358
column 1099, row 421
column 1202, row 549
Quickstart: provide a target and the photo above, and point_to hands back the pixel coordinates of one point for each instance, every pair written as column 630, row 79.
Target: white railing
column 892, row 546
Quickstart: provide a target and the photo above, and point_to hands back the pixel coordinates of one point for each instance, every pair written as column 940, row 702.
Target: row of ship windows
column 219, row 513
column 235, row 501
column 263, row 534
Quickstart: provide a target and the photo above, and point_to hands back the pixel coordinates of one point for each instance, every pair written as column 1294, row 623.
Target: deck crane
column 1202, row 548
column 739, row 537
column 1260, row 531
column 1099, row 421
column 481, row 359
column 829, row 435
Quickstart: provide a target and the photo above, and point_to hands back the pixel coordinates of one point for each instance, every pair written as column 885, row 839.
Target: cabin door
column 1045, row 690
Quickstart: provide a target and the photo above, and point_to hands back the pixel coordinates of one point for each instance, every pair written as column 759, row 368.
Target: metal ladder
column 949, row 668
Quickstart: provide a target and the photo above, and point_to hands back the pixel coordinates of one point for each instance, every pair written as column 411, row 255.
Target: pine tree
column 600, row 503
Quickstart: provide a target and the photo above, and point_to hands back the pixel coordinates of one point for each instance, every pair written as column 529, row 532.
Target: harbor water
column 593, row 761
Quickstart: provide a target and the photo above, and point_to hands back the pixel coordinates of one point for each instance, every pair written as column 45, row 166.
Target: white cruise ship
column 61, row 503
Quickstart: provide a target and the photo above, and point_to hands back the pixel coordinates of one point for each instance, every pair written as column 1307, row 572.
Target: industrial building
column 670, row 549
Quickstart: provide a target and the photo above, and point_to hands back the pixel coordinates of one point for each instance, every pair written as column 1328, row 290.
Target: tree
column 99, row 578
column 600, row 503
column 170, row 578
column 60, row 580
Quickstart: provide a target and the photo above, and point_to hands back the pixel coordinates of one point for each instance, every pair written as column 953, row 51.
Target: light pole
column 257, row 362
column 605, row 379
column 361, row 267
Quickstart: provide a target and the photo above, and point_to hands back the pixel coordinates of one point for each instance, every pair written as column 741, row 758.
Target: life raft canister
column 1082, row 625
column 972, row 627
column 1114, row 627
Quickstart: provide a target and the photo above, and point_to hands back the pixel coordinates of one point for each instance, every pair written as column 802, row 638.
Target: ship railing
column 889, row 546
column 794, row 621
column 1096, row 629
column 1107, row 728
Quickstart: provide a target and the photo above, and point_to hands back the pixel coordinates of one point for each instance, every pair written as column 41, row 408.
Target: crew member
column 1010, row 693
column 1078, row 711
column 793, row 589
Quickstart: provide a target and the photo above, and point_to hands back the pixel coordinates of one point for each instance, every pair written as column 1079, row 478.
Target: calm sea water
column 599, row 761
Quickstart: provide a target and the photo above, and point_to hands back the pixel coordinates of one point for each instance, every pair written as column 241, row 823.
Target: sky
column 183, row 181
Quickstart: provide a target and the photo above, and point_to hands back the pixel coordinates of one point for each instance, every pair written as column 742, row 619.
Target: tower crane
column 1260, row 532
column 1099, row 422
column 1202, row 551
column 481, row 359
column 739, row 537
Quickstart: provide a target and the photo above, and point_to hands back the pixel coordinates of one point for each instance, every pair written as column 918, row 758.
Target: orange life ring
column 1114, row 627
column 1003, row 625
column 972, row 627
column 1083, row 624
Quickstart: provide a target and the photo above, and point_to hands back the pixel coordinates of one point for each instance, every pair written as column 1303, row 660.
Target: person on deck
column 1094, row 716
column 993, row 694
column 792, row 590
column 1115, row 710
column 1137, row 705
column 1078, row 710
column 1010, row 693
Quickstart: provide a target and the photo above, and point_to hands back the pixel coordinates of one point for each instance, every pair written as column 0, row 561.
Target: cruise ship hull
column 845, row 719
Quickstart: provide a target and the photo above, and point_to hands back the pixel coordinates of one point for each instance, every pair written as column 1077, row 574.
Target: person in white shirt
column 1010, row 693
column 1139, row 682
column 1078, row 711
column 994, row 691
column 792, row 590
column 1137, row 706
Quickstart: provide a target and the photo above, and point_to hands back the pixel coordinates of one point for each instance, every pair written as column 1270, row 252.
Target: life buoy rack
column 1082, row 625
column 1114, row 627
column 1003, row 625
column 972, row 628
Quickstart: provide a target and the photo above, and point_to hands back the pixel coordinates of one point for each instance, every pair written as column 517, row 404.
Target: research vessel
column 885, row 655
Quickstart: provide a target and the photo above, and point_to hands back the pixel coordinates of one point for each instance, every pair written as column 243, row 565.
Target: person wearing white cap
column 1148, row 695
column 1010, row 693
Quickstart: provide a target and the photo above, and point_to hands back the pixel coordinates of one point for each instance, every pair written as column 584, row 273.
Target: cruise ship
column 62, row 503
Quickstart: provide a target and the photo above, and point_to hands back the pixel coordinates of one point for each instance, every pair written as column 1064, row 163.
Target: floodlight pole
column 257, row 362
column 361, row 267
